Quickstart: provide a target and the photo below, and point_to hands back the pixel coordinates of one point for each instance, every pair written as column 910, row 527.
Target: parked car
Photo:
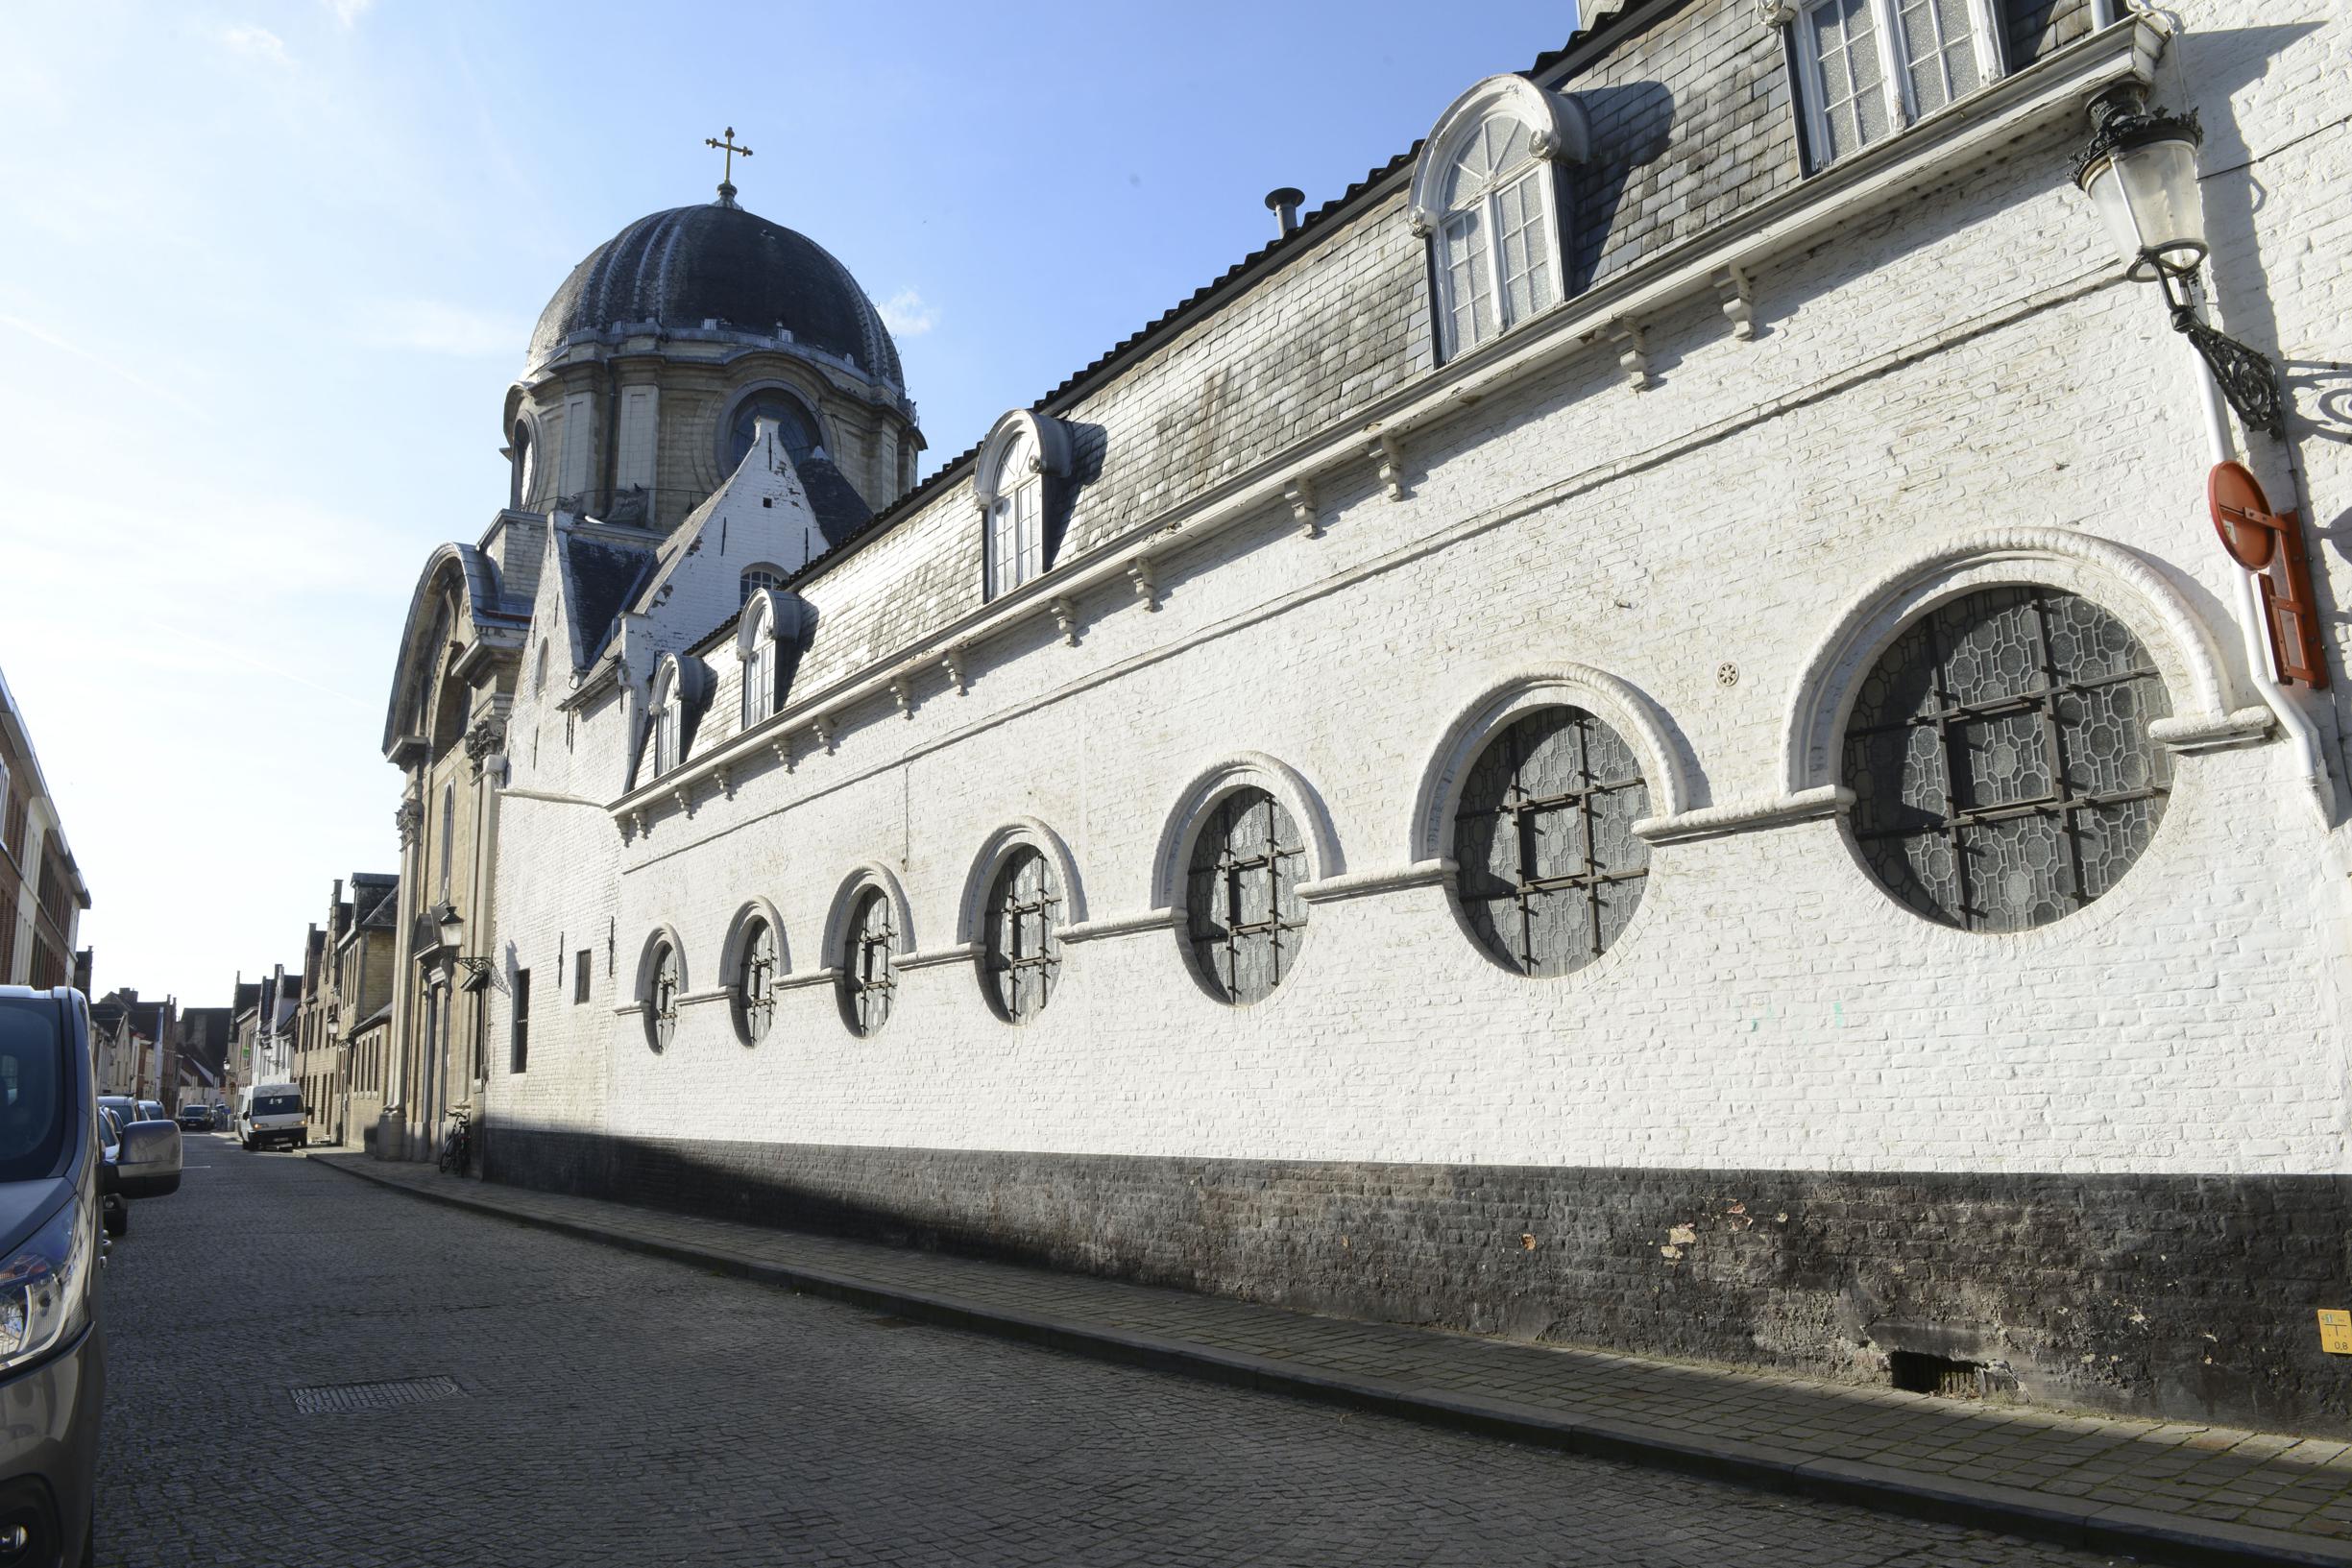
column 113, row 1209
column 53, row 1177
column 220, row 1118
column 272, row 1112
column 126, row 1109
column 152, row 1110
column 195, row 1118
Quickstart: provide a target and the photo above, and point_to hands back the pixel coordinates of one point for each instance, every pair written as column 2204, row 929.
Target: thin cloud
column 67, row 345
column 348, row 12
column 906, row 315
column 256, row 42
column 433, row 326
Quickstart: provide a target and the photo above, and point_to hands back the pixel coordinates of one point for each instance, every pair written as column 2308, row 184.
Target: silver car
column 53, row 1176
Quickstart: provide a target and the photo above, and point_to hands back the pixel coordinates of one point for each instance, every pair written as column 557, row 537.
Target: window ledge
column 1746, row 816
column 806, row 978
column 963, row 952
column 1356, row 884
column 2213, row 732
column 1145, row 920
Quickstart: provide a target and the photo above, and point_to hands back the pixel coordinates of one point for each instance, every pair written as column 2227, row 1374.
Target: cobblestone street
column 620, row 1410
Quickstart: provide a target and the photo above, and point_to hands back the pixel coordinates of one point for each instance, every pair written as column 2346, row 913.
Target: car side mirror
column 149, row 1166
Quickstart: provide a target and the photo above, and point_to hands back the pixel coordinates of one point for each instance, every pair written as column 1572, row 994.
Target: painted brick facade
column 1988, row 1146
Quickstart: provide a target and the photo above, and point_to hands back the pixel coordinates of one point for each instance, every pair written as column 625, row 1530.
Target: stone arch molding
column 1556, row 125
column 1241, row 771
column 644, row 988
column 1022, row 832
column 872, row 874
column 1620, row 705
column 2185, row 652
column 738, row 937
column 1048, row 446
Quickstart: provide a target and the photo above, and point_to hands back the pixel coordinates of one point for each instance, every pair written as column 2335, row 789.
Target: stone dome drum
column 717, row 264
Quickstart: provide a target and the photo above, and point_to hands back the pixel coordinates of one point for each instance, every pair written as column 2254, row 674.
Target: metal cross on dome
column 726, row 182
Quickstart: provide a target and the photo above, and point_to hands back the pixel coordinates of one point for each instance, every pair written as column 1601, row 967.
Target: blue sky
column 267, row 269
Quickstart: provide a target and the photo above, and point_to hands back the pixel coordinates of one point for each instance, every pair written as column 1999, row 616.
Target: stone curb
column 2144, row 1533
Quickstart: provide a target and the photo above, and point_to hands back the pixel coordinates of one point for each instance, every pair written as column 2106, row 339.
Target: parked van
column 271, row 1112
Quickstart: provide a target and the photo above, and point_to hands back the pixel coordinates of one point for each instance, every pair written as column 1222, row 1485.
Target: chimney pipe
column 1283, row 204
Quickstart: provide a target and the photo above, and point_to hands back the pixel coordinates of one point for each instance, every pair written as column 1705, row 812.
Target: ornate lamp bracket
column 2247, row 378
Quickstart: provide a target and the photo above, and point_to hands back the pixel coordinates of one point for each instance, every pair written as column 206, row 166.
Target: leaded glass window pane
column 1526, row 232
column 1550, row 868
column 1999, row 759
column 869, row 963
column 662, row 1006
column 1494, row 243
column 1242, row 907
column 755, row 982
column 760, row 678
column 1023, row 957
column 1846, row 71
column 1940, row 51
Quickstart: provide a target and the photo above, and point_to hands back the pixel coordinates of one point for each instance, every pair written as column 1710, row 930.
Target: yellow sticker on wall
column 2336, row 1331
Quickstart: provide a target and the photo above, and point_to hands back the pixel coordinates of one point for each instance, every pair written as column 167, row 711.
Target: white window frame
column 1556, row 131
column 760, row 662
column 665, row 738
column 1986, row 34
column 1023, row 451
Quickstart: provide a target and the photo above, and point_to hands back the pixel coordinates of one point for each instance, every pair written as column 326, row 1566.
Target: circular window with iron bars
column 869, row 963
column 661, row 997
column 755, row 981
column 1549, row 868
column 1020, row 954
column 1242, row 911
column 1999, row 752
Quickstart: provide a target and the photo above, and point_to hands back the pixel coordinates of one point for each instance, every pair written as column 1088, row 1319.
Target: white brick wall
column 1955, row 366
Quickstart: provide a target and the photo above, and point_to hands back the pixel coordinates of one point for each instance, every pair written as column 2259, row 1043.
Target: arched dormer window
column 1018, row 484
column 1486, row 193
column 664, row 742
column 758, row 577
column 769, row 640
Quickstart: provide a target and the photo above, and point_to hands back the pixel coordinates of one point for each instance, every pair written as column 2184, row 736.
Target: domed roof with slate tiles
column 720, row 267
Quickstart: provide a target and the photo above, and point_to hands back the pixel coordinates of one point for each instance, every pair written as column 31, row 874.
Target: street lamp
column 2140, row 172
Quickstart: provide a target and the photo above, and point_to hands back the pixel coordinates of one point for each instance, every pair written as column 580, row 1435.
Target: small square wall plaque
column 2335, row 1332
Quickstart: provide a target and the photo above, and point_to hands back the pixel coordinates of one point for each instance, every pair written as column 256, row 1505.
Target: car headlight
column 44, row 1287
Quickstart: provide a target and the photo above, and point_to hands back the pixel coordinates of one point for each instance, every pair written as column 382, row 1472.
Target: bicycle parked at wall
column 457, row 1144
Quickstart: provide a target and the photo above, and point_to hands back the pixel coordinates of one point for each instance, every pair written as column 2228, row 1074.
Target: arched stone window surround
column 1000, row 847
column 732, row 952
column 2116, row 579
column 722, row 435
column 648, row 957
column 524, row 451
column 1039, row 445
column 1615, row 702
column 1173, row 858
column 996, row 852
column 1557, row 130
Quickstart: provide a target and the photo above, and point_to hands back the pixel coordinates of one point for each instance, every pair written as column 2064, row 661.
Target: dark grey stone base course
column 2147, row 1534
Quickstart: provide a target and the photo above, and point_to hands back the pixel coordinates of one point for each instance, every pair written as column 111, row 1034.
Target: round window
column 1243, row 912
column 662, row 1002
column 755, row 982
column 869, row 963
column 1999, row 759
column 1023, row 957
column 1550, row 869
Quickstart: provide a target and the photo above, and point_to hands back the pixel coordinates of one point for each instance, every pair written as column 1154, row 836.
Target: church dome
column 691, row 265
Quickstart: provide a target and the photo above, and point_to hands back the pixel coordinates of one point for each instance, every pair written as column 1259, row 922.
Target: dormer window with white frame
column 1017, row 481
column 1867, row 68
column 663, row 744
column 1487, row 195
column 769, row 640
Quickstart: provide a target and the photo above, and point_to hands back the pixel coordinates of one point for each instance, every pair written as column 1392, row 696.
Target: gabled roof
column 603, row 577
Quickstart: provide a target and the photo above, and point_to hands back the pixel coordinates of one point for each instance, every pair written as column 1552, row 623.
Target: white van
column 271, row 1112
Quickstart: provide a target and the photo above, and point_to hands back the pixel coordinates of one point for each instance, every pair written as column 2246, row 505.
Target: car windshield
column 31, row 1086
column 276, row 1104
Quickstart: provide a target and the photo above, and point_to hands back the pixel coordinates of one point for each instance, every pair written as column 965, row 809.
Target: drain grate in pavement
column 335, row 1398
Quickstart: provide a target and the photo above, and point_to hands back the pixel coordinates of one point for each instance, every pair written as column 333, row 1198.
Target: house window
column 521, row 1047
column 1023, row 957
column 1870, row 67
column 1550, row 869
column 525, row 467
column 664, row 724
column 1497, row 262
column 758, row 577
column 1016, row 521
column 581, row 962
column 760, row 674
column 755, row 982
column 662, row 998
column 1242, row 905
column 869, row 963
column 1999, row 759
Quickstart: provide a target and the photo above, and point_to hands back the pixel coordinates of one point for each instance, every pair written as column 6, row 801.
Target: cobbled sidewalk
column 2164, row 1492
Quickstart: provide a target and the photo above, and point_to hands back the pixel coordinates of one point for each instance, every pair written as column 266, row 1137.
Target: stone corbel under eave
column 1388, row 464
column 825, row 725
column 1736, row 289
column 1146, row 578
column 953, row 662
column 1633, row 345
column 902, row 692
column 1299, row 493
column 1065, row 616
